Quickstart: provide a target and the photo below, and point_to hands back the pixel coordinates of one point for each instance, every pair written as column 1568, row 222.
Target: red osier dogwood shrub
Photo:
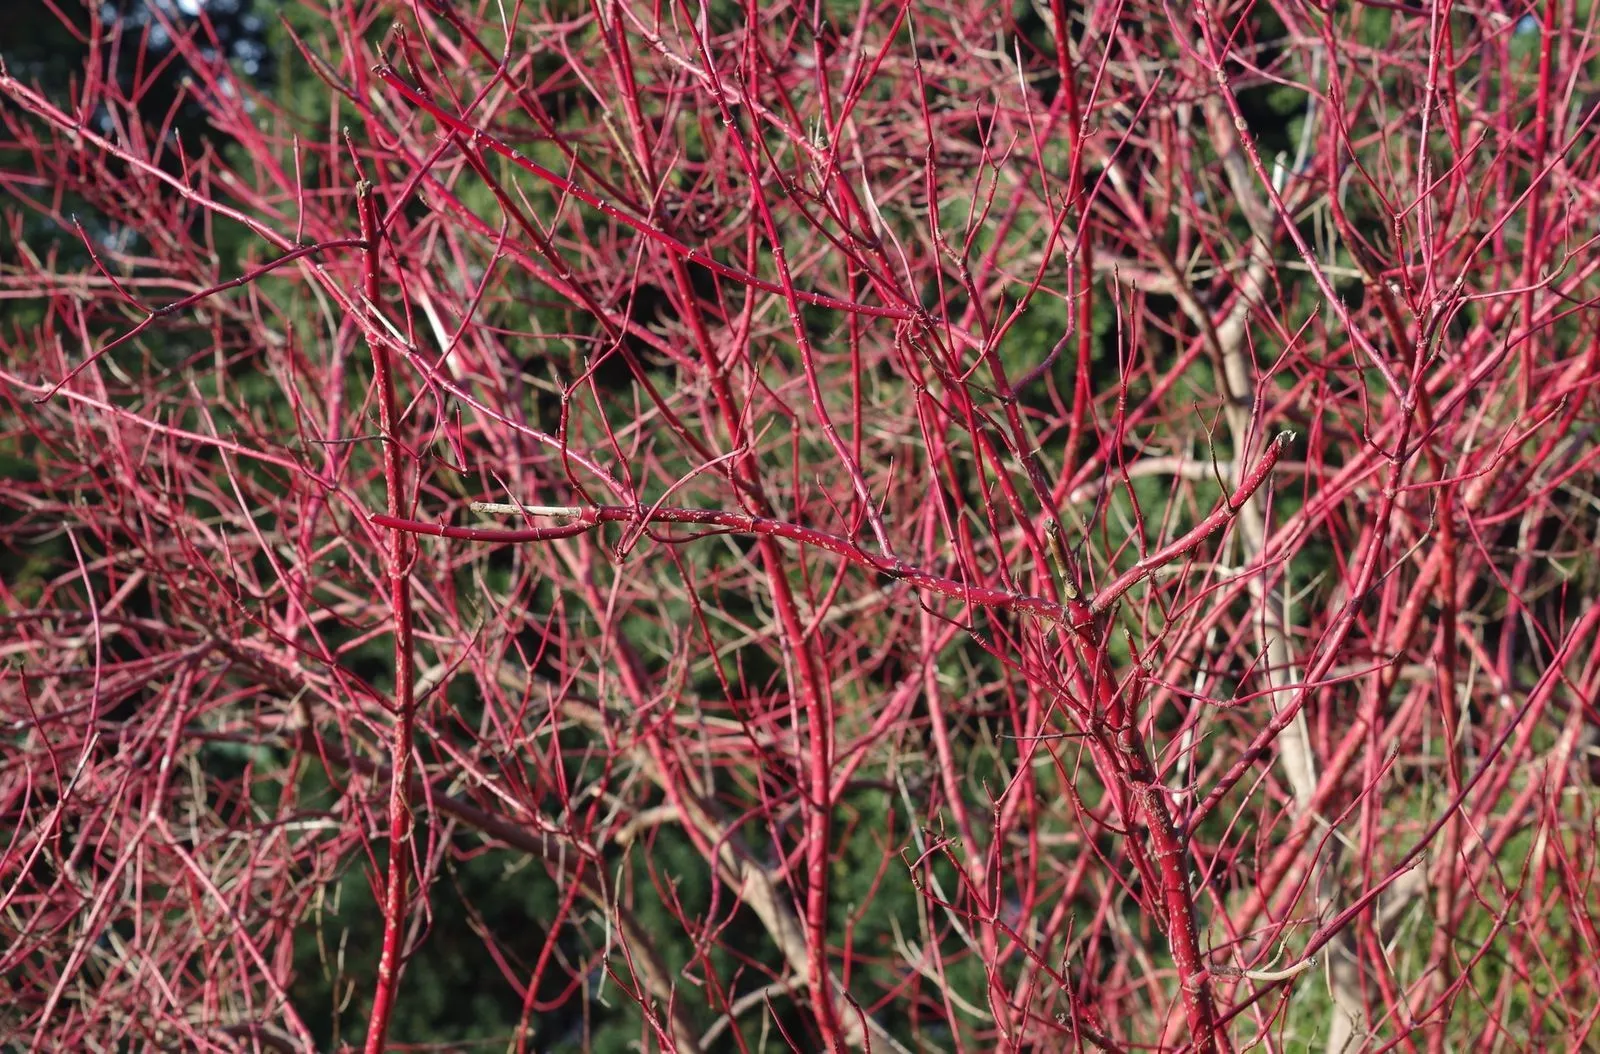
column 804, row 527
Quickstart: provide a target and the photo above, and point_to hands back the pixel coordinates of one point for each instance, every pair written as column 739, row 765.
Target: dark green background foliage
column 454, row 993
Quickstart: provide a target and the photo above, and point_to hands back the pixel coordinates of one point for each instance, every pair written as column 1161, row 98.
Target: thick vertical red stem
column 395, row 897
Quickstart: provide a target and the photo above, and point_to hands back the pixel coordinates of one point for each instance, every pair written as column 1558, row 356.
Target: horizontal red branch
column 743, row 523
column 1075, row 611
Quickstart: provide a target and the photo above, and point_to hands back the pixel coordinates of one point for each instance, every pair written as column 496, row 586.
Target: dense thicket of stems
column 802, row 527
